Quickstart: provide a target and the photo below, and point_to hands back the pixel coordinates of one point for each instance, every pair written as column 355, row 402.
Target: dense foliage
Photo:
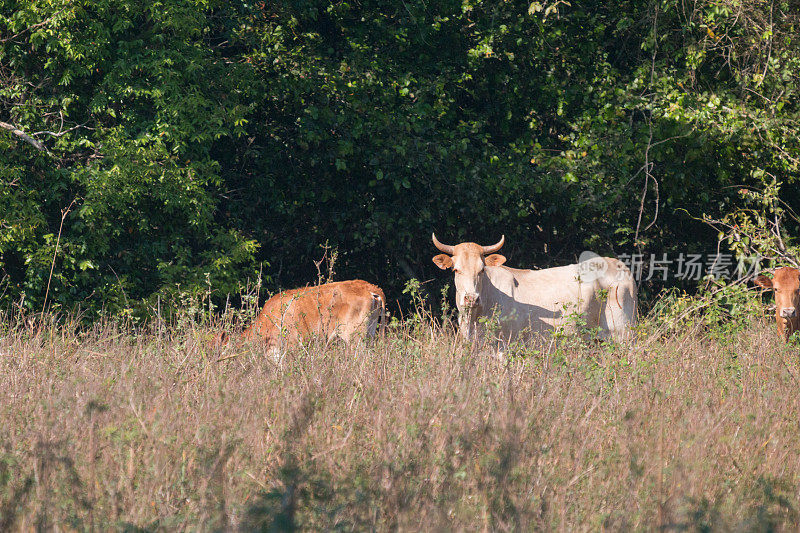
column 158, row 149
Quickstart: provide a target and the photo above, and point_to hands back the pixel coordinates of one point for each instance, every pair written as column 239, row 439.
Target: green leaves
column 200, row 140
column 131, row 100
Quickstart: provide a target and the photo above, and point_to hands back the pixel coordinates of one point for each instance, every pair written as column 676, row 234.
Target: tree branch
column 24, row 136
column 35, row 26
column 62, row 132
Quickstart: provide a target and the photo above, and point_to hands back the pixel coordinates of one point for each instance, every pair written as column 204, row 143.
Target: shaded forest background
column 159, row 149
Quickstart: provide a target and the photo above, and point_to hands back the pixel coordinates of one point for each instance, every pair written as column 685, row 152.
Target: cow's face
column 468, row 265
column 468, row 261
column 786, row 284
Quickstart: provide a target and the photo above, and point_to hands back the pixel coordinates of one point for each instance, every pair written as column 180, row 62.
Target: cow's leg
column 350, row 334
column 276, row 354
column 498, row 354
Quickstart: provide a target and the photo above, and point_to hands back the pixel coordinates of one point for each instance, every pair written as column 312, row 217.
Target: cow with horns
column 600, row 291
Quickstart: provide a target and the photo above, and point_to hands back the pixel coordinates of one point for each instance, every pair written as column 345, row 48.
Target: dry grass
column 113, row 428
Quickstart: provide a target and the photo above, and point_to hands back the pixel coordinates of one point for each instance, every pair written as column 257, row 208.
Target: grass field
column 121, row 428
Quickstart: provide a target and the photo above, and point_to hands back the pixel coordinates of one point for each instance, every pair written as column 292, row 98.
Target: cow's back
column 533, row 300
column 553, row 298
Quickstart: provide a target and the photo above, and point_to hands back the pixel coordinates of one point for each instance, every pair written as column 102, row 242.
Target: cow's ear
column 443, row 261
column 495, row 260
column 764, row 281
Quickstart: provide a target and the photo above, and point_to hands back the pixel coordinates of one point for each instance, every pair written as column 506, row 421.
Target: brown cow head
column 468, row 261
column 786, row 284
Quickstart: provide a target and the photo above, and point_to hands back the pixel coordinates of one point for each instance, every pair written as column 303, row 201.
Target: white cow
column 599, row 292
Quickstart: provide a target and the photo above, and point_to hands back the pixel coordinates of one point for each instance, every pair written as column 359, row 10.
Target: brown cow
column 341, row 309
column 786, row 284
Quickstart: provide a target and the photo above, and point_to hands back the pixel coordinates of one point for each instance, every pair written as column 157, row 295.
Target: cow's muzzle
column 788, row 312
column 472, row 300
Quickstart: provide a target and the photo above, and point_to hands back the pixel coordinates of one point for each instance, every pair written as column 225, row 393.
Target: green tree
column 201, row 139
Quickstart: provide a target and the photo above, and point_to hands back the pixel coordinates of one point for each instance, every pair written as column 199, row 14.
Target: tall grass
column 116, row 427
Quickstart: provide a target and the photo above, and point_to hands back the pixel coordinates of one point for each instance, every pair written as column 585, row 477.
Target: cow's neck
column 467, row 322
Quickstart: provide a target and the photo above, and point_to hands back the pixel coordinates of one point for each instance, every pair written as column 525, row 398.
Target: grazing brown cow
column 341, row 309
column 786, row 284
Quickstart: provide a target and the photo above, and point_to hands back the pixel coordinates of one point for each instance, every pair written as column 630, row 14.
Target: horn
column 493, row 248
column 442, row 247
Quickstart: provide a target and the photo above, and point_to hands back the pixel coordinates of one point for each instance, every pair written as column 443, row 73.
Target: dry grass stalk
column 115, row 427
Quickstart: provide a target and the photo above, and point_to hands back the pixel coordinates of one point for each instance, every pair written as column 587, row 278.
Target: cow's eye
column 457, row 271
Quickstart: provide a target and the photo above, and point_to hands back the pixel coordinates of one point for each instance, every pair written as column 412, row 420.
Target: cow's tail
column 380, row 303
